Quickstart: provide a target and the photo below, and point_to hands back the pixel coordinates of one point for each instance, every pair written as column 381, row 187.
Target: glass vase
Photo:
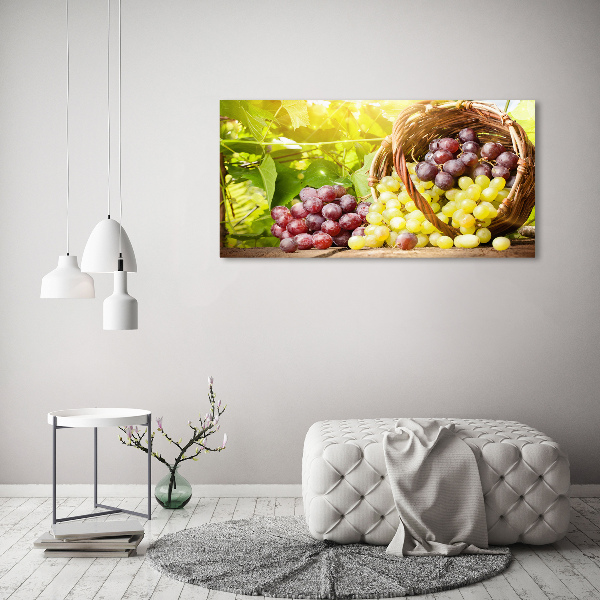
column 173, row 490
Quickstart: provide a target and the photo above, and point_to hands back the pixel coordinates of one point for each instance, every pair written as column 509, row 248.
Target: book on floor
column 49, row 542
column 71, row 530
column 88, row 553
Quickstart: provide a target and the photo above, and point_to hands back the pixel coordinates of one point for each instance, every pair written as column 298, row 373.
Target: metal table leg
column 54, row 470
column 149, row 434
column 111, row 509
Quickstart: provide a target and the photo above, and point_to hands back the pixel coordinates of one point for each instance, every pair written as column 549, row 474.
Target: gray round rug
column 277, row 557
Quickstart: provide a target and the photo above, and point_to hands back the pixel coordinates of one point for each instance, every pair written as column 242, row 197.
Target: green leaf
column 241, row 111
column 297, row 111
column 531, row 219
column 268, row 173
column 323, row 172
column 251, row 174
column 287, row 185
column 524, row 114
column 360, row 177
column 230, row 146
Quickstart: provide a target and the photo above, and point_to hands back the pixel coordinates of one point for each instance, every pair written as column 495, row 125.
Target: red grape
column 442, row 156
column 284, row 218
column 363, row 209
column 289, row 245
column 508, row 159
column 467, row 135
column 297, row 226
column 406, row 241
column 449, row 144
column 307, row 193
column 340, row 190
column 455, row 167
column 482, row 169
column 322, row 240
column 327, row 193
column 500, row 171
column 342, row 238
column 469, row 159
column 331, row 227
column 491, row 150
column 471, row 147
column 286, row 234
column 429, row 158
column 359, row 231
column 298, row 211
column 314, row 222
column 433, row 146
column 350, row 221
column 277, row 211
column 444, row 180
column 313, row 205
column 276, row 230
column 332, row 212
column 510, row 182
column 304, row 241
column 348, row 203
column 426, row 171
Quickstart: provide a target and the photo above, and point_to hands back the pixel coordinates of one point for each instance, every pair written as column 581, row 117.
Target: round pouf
column 277, row 557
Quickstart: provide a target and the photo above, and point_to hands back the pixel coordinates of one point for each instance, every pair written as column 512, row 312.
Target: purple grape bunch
column 450, row 158
column 323, row 217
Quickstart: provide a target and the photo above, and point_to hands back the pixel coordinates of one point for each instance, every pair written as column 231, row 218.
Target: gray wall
column 288, row 342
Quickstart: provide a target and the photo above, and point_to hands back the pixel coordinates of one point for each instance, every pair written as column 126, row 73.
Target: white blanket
column 437, row 490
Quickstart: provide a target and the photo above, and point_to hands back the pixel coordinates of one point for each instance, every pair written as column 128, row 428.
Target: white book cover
column 48, row 541
column 88, row 553
column 74, row 530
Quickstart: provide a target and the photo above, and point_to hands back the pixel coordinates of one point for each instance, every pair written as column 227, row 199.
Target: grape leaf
column 324, row 172
column 251, row 174
column 268, row 173
column 360, row 177
column 524, row 114
column 287, row 185
column 241, row 111
column 297, row 111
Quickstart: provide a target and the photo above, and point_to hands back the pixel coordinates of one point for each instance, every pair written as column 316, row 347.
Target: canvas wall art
column 377, row 179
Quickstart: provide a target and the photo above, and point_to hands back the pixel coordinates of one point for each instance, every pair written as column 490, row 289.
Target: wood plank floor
column 566, row 570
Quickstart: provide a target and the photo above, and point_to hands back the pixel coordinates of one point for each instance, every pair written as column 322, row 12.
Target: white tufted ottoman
column 347, row 498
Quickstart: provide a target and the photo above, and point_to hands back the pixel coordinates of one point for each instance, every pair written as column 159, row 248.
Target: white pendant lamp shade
column 67, row 281
column 102, row 249
column 120, row 310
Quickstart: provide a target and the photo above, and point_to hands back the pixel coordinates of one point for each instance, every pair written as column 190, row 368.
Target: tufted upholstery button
column 505, row 451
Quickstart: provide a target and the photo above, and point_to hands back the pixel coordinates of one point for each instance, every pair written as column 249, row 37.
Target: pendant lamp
column 67, row 280
column 108, row 240
column 120, row 310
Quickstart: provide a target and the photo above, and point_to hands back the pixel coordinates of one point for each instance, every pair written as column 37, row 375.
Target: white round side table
column 99, row 417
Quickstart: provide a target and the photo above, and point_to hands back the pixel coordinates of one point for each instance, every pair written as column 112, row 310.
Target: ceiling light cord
column 67, row 123
column 108, row 104
column 120, row 192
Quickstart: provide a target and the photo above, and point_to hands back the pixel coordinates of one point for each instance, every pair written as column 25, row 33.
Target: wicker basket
column 424, row 121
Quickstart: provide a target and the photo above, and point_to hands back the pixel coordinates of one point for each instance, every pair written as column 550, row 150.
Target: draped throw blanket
column 437, row 490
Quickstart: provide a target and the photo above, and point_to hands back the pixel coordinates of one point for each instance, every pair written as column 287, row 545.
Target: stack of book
column 114, row 539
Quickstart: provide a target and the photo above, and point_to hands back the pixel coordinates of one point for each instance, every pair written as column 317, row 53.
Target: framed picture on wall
column 377, row 178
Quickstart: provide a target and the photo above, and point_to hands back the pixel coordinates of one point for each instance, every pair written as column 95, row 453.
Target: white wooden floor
column 568, row 569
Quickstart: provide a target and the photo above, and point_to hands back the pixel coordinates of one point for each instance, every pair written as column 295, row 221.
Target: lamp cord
column 67, row 122
column 108, row 104
column 120, row 193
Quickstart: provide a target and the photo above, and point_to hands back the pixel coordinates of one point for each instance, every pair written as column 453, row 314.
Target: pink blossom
column 210, row 380
column 224, row 440
column 159, row 423
column 129, row 430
